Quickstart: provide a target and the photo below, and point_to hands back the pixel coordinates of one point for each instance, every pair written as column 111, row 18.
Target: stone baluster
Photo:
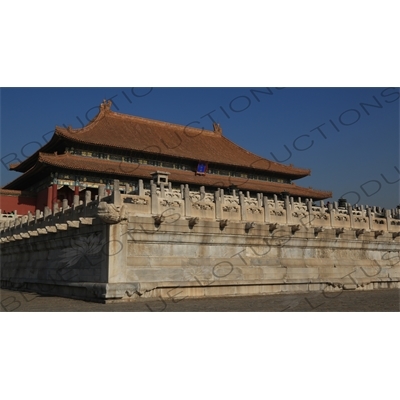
column 276, row 202
column 102, row 192
column 141, row 187
column 55, row 208
column 116, row 194
column 267, row 216
column 154, row 199
column 288, row 209
column 218, row 209
column 310, row 211
column 37, row 216
column 30, row 218
column 388, row 219
column 202, row 193
column 162, row 190
column 243, row 211
column 369, row 216
column 46, row 213
column 259, row 199
column 188, row 203
column 64, row 204
column 76, row 200
column 351, row 215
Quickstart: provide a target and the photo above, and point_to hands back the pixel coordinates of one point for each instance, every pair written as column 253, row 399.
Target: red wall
column 20, row 203
column 42, row 198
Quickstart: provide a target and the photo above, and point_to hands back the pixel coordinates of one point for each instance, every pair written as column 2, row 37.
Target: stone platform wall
column 179, row 243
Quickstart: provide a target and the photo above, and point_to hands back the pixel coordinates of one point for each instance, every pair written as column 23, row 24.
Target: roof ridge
column 105, row 109
column 163, row 123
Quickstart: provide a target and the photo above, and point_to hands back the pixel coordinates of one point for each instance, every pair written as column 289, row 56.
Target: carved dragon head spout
column 249, row 225
column 158, row 219
column 273, row 227
column 193, row 222
column 339, row 231
column 223, row 224
column 295, row 228
column 111, row 214
column 318, row 230
column 360, row 232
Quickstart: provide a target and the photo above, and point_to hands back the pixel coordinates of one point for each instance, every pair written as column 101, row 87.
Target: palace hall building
column 129, row 148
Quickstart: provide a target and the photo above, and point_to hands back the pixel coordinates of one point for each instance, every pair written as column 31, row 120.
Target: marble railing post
column 141, row 187
column 310, row 212
column 259, row 199
column 388, row 219
column 188, row 203
column 46, row 212
column 55, row 208
column 267, row 218
column 64, row 204
column 116, row 194
column 202, row 193
column 37, row 216
column 242, row 204
column 369, row 216
column 102, row 192
column 276, row 202
column 218, row 209
column 30, row 217
column 331, row 214
column 288, row 209
column 153, row 199
column 88, row 197
column 351, row 216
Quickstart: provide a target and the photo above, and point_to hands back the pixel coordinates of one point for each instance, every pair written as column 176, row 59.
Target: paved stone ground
column 379, row 300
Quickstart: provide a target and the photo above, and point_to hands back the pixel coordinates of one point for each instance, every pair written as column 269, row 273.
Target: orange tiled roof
column 130, row 133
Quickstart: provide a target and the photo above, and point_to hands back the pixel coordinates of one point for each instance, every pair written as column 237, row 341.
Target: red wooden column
column 49, row 196
column 54, row 195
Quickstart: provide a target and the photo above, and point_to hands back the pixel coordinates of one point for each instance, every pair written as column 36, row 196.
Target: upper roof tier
column 130, row 133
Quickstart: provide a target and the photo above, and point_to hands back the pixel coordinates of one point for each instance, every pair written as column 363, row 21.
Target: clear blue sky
column 362, row 158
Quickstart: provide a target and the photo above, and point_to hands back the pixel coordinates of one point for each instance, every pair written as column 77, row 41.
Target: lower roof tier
column 116, row 170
